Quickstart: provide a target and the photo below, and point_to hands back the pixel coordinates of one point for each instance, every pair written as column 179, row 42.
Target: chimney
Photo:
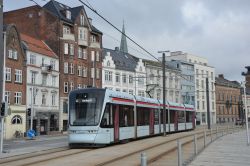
column 221, row 76
column 117, row 49
column 90, row 21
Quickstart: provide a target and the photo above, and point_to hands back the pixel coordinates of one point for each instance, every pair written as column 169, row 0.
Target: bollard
column 216, row 132
column 143, row 159
column 211, row 135
column 195, row 145
column 179, row 153
column 205, row 139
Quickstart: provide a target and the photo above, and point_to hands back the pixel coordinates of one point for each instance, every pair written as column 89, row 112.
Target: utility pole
column 1, row 71
column 208, row 106
column 164, row 90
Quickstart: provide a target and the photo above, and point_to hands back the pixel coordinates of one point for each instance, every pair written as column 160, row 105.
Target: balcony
column 68, row 36
column 83, row 42
column 46, row 69
column 95, row 45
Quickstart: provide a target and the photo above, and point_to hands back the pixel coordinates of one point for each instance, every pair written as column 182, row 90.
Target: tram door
column 151, row 122
column 175, row 121
column 116, row 123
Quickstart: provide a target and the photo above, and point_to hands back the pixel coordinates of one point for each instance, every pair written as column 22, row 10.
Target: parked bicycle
column 18, row 134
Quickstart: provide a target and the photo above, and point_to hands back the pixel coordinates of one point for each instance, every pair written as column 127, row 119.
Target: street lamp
column 246, row 112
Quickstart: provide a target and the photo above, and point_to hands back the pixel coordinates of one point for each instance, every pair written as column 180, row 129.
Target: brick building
column 15, row 82
column 70, row 34
column 228, row 99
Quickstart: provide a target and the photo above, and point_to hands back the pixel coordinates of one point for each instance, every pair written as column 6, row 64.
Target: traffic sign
column 31, row 134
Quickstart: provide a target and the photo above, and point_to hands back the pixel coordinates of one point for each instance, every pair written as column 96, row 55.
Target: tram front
column 85, row 108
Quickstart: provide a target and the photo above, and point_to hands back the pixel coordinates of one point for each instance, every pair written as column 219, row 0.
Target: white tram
column 102, row 116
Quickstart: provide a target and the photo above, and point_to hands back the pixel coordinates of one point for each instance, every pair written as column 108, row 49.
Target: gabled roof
column 37, row 46
column 123, row 61
column 57, row 9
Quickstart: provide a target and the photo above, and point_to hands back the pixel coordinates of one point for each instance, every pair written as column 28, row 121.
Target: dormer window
column 82, row 20
column 68, row 14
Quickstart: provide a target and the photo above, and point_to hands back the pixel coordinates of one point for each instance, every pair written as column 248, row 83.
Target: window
column 118, row 90
column 32, row 59
column 53, row 99
column 203, row 105
column 54, row 81
column 79, row 86
column 71, row 86
column 85, row 72
column 44, row 80
column 198, row 104
column 81, row 34
column 43, row 99
column 108, row 76
column 117, row 77
column 18, row 98
column 124, row 78
column 7, row 97
column 84, row 52
column 65, row 107
column 141, row 93
column 93, row 38
column 66, row 48
column 33, row 77
column 68, row 14
column 130, row 79
column 12, row 54
column 97, row 56
column 66, row 30
column 92, row 72
column 71, row 49
column 7, row 74
column 66, row 68
column 98, row 73
column 82, row 20
column 53, row 64
column 66, row 87
column 17, row 119
column 212, row 75
column 131, row 92
column 140, row 80
column 79, row 71
column 71, row 68
column 79, row 52
column 92, row 56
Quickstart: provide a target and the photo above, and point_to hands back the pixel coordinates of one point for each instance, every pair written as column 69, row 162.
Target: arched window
column 108, row 64
column 17, row 119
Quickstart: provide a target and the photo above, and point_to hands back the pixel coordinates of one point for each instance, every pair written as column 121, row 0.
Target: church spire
column 123, row 45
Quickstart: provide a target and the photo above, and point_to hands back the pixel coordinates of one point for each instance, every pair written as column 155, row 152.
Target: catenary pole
column 208, row 106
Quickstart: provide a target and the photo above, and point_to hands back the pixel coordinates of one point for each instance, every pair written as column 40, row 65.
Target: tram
column 102, row 116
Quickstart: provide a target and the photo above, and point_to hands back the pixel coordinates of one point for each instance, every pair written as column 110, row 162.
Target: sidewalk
column 230, row 150
column 23, row 146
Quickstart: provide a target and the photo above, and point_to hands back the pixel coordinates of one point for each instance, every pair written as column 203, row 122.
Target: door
column 151, row 122
column 116, row 123
column 175, row 121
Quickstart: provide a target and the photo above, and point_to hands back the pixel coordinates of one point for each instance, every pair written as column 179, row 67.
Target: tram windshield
column 85, row 108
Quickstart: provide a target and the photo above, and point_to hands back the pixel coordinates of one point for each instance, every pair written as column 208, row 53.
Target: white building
column 202, row 71
column 42, row 94
column 123, row 72
column 155, row 81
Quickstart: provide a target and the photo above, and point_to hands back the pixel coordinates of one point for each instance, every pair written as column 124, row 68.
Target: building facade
column 247, row 86
column 70, row 34
column 186, row 81
column 228, row 100
column 42, row 85
column 123, row 72
column 203, row 72
column 154, row 81
column 15, row 83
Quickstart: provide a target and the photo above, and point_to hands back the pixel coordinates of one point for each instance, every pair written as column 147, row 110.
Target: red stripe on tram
column 122, row 100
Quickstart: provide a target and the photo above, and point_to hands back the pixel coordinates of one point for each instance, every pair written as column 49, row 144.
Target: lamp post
column 33, row 95
column 246, row 112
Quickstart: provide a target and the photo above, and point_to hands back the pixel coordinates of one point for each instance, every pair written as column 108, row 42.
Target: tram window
column 126, row 116
column 172, row 112
column 189, row 116
column 156, row 116
column 181, row 117
column 107, row 119
column 143, row 116
column 166, row 116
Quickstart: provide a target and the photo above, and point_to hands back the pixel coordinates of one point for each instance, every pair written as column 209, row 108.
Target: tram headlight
column 92, row 131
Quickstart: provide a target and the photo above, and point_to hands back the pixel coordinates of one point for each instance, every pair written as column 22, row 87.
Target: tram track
column 41, row 157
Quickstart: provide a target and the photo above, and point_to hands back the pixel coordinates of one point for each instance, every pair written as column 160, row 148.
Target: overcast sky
column 218, row 30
